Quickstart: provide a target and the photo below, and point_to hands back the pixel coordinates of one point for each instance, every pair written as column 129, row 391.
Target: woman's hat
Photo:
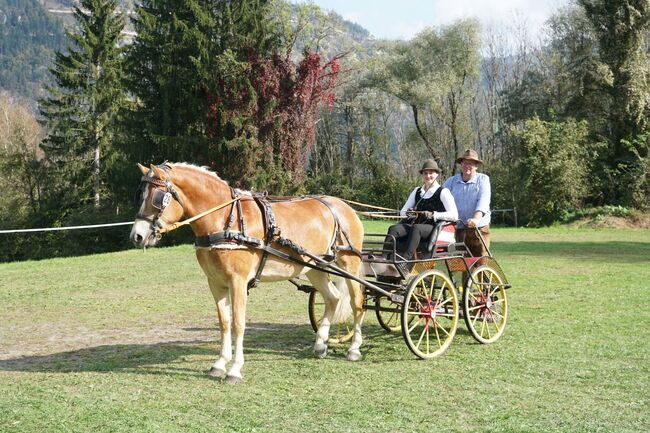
column 430, row 164
column 471, row 155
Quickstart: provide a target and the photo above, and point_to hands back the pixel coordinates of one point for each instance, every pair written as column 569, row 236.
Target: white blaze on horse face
column 141, row 232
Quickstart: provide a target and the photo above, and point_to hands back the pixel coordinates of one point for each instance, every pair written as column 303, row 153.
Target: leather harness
column 272, row 235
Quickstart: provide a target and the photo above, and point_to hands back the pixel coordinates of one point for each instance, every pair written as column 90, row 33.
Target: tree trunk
column 436, row 155
column 96, row 173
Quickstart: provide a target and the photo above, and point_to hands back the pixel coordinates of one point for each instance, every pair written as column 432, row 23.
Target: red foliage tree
column 262, row 117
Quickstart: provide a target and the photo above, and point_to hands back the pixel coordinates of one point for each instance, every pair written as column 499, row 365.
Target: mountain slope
column 28, row 38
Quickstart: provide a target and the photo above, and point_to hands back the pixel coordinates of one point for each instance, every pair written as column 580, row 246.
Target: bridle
column 161, row 197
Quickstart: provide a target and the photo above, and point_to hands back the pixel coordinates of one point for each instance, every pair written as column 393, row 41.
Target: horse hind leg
column 353, row 264
column 330, row 293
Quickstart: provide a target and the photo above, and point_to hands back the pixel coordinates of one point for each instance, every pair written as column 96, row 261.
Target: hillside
column 29, row 38
column 32, row 30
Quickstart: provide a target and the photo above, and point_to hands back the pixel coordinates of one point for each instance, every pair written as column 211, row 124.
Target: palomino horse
column 307, row 231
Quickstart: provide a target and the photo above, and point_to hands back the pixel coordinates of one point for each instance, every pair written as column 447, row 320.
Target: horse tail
column 343, row 308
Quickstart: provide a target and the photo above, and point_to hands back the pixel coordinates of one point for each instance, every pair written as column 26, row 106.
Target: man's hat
column 471, row 155
column 430, row 164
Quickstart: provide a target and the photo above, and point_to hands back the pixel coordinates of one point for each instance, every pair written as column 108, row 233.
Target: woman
column 425, row 206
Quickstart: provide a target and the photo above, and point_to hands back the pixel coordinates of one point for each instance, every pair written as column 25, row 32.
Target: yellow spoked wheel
column 430, row 314
column 389, row 320
column 485, row 305
column 339, row 332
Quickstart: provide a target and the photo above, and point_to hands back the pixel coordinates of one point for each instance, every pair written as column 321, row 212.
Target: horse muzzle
column 143, row 235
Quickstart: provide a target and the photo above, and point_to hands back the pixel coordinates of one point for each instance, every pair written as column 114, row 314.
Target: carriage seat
column 443, row 235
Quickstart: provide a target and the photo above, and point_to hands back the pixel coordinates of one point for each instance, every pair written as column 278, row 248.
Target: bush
column 597, row 213
column 554, row 168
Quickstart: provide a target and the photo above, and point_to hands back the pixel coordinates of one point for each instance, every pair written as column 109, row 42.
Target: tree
column 432, row 74
column 552, row 167
column 21, row 179
column 263, row 114
column 620, row 28
column 168, row 67
column 81, row 111
column 215, row 83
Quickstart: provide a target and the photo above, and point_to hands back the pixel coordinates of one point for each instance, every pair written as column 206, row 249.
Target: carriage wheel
column 430, row 314
column 485, row 305
column 389, row 320
column 343, row 331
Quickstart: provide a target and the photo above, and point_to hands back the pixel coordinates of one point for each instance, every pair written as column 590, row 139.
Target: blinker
column 161, row 199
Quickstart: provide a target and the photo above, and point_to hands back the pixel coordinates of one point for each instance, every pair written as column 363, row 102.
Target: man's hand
column 411, row 213
column 429, row 215
column 472, row 223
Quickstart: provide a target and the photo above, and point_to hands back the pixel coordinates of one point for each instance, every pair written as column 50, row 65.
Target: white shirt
column 450, row 214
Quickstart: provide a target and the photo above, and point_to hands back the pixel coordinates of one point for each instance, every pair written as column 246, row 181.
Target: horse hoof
column 320, row 351
column 354, row 355
column 216, row 372
column 234, row 380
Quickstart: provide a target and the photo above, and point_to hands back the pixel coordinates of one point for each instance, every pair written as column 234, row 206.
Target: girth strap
column 227, row 237
column 271, row 231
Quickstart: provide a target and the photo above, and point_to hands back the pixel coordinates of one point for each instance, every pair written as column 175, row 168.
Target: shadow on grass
column 263, row 342
column 620, row 252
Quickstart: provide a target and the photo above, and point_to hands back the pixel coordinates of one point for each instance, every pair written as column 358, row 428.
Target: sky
column 402, row 19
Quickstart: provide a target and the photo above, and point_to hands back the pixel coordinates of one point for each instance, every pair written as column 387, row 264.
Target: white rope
column 52, row 229
column 378, row 215
column 369, row 205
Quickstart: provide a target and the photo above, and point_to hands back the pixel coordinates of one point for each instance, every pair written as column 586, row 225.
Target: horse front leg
column 222, row 300
column 331, row 295
column 238, row 299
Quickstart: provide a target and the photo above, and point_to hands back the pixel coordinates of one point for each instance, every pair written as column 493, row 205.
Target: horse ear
column 143, row 169
column 157, row 172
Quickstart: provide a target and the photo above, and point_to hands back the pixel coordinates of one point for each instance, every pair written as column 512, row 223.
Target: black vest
column 430, row 204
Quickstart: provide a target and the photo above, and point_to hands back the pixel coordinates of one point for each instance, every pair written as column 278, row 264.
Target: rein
column 196, row 217
column 369, row 206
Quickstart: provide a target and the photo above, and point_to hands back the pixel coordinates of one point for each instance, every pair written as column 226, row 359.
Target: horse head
column 159, row 205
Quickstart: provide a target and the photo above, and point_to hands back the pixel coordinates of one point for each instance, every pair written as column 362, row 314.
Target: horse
column 233, row 244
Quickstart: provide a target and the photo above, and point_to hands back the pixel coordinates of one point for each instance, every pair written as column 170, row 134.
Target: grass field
column 122, row 342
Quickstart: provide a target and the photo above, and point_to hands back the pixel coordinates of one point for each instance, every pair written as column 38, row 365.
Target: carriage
column 243, row 238
column 425, row 298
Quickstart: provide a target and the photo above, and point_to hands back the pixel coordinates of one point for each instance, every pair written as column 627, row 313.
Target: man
column 471, row 191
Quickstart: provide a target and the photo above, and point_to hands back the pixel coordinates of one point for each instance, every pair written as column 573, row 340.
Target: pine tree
column 81, row 111
column 166, row 69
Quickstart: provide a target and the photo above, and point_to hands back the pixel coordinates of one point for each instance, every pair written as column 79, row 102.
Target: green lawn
column 122, row 342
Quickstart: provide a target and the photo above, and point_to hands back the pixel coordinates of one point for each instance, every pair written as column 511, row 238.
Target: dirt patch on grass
column 48, row 339
column 54, row 346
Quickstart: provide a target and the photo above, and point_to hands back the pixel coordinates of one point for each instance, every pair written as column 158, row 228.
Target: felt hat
column 430, row 164
column 470, row 155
